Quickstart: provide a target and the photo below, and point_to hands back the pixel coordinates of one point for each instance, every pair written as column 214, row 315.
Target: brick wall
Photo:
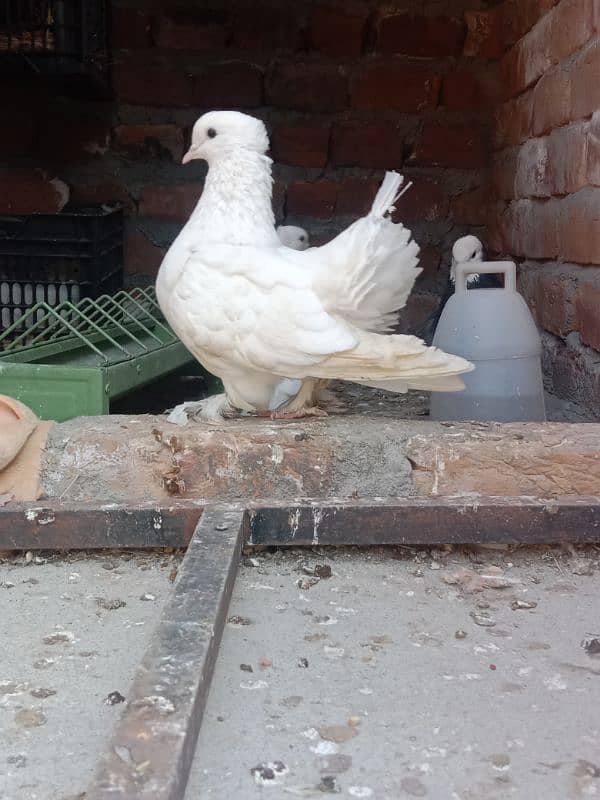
column 546, row 178
column 346, row 88
column 489, row 106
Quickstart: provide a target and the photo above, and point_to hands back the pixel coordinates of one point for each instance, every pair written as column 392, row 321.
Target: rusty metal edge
column 431, row 521
column 53, row 525
column 152, row 746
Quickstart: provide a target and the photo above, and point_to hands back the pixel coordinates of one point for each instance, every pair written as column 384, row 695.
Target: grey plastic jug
column 494, row 329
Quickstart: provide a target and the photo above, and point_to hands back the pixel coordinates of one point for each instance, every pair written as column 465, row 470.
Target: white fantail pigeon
column 467, row 248
column 263, row 317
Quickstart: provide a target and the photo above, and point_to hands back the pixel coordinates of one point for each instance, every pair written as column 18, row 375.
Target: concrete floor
column 385, row 681
column 357, row 684
column 73, row 632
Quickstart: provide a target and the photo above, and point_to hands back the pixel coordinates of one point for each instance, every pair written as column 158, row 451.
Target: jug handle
column 506, row 268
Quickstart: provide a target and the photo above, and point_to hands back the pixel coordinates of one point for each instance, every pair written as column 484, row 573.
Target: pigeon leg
column 212, row 409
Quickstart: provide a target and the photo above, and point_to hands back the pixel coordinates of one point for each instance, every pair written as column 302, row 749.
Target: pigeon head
column 219, row 132
column 293, row 236
column 467, row 248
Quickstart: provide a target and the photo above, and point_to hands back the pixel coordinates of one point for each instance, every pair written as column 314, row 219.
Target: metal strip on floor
column 53, row 525
column 152, row 747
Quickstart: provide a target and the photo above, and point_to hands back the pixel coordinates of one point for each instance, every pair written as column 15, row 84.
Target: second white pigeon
column 263, row 317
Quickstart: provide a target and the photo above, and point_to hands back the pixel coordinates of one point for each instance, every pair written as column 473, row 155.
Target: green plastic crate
column 74, row 359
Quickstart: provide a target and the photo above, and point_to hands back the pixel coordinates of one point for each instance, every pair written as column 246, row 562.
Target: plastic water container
column 494, row 329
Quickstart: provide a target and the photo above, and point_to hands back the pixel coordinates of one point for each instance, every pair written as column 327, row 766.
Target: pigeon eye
column 211, row 133
column 303, row 238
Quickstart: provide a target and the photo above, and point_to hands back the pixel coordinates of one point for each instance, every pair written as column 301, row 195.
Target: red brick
column 429, row 260
column 513, row 121
column 541, row 237
column 531, row 178
column 579, row 227
column 393, row 85
column 338, row 31
column 585, row 82
column 419, row 306
column 377, row 145
column 316, row 199
column 424, row 201
column 593, row 150
column 149, row 141
column 146, row 84
column 551, row 101
column 549, row 295
column 130, row 28
column 72, row 132
column 459, row 146
column 529, row 229
column 17, row 133
column 519, row 16
column 356, row 195
column 472, row 208
column 485, row 37
column 234, row 84
column 568, row 158
column 496, row 230
column 420, row 36
column 554, row 303
column 267, row 27
column 307, row 87
column 110, row 192
column 571, row 26
column 587, row 314
column 31, row 191
column 279, row 200
column 142, row 257
column 556, row 36
column 462, row 91
column 300, row 144
column 504, row 170
column 182, row 34
column 170, row 202
column 527, row 61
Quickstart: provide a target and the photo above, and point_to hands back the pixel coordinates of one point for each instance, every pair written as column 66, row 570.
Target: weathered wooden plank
column 519, row 520
column 56, row 525
column 152, row 746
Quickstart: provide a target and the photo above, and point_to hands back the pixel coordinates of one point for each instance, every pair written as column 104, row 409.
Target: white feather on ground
column 254, row 312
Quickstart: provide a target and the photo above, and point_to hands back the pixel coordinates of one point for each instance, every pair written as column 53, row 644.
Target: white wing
column 248, row 308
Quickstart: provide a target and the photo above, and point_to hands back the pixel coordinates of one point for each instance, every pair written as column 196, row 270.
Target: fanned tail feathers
column 396, row 363
column 388, row 193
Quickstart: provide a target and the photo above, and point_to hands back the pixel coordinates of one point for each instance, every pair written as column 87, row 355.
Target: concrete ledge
column 145, row 459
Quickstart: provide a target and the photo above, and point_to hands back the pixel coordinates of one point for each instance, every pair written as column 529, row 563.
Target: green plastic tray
column 73, row 359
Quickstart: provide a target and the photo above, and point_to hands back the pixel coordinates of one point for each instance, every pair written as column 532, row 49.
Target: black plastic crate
column 57, row 257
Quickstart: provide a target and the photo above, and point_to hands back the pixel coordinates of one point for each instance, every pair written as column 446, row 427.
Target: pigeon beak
column 191, row 154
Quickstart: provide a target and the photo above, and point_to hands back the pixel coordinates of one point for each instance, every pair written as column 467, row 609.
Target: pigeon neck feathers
column 235, row 205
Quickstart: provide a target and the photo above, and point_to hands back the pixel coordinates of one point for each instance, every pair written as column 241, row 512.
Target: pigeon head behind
column 293, row 236
column 217, row 133
column 467, row 248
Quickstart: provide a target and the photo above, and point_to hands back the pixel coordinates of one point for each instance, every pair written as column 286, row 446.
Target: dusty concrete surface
column 386, row 681
column 73, row 631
